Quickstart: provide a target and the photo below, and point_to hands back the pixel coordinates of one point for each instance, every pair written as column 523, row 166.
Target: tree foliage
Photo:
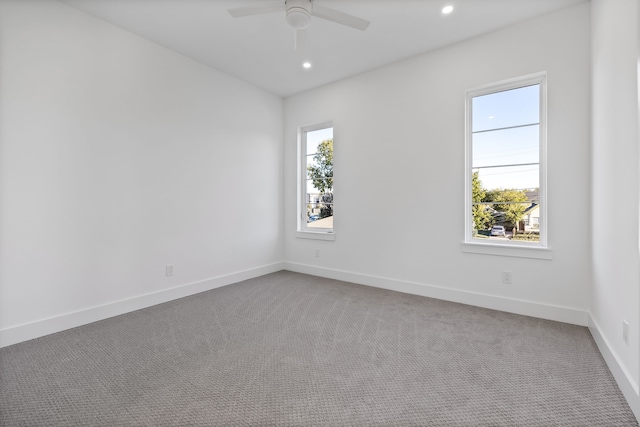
column 482, row 218
column 321, row 175
column 498, row 206
column 326, row 209
column 511, row 203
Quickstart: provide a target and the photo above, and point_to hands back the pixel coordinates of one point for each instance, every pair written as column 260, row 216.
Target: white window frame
column 303, row 231
column 515, row 248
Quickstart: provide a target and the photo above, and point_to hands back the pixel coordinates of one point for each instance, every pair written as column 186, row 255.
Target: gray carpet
column 294, row 350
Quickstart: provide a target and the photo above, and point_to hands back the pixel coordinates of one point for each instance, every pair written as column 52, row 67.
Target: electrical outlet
column 169, row 270
column 506, row 277
column 625, row 331
column 317, row 253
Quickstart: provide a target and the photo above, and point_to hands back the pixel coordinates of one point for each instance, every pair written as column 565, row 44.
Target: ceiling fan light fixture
column 298, row 17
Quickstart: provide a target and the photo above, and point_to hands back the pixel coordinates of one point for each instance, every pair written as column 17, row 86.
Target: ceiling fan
column 298, row 16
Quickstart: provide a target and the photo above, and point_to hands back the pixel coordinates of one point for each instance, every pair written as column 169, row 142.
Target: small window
column 506, row 186
column 316, row 179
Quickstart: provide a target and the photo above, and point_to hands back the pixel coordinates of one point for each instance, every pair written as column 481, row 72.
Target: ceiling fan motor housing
column 299, row 13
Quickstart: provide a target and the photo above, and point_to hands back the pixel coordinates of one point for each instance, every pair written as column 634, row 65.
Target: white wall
column 117, row 157
column 616, row 192
column 399, row 172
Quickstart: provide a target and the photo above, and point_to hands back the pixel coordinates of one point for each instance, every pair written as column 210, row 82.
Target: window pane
column 500, row 220
column 505, row 150
column 319, row 210
column 319, row 163
column 311, row 186
column 317, row 180
column 510, row 177
column 311, row 161
column 316, row 137
column 508, row 108
column 506, row 147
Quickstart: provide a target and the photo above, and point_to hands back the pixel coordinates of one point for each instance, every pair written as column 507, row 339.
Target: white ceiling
column 259, row 49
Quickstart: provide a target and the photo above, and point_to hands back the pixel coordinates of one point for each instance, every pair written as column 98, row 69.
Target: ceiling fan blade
column 300, row 39
column 257, row 10
column 340, row 17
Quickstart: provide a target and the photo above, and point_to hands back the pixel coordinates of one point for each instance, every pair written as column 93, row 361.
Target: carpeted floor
column 288, row 349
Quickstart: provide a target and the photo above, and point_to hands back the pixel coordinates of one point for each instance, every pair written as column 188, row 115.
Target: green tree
column 481, row 218
column 321, row 175
column 327, row 205
column 512, row 203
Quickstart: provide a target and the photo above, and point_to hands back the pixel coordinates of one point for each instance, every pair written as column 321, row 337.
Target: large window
column 506, row 186
column 316, row 179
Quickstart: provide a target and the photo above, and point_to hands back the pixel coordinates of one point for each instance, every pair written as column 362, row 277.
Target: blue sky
column 506, row 132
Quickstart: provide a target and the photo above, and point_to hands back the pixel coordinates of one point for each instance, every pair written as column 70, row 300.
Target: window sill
column 315, row 235
column 507, row 250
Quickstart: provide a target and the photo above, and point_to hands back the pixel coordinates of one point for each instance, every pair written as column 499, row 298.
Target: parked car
column 497, row 230
column 314, row 218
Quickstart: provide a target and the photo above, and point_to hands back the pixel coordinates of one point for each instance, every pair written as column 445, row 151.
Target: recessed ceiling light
column 447, row 10
column 306, row 65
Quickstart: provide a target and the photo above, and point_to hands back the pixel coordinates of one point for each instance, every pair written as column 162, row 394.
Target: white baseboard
column 39, row 328
column 526, row 308
column 627, row 385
